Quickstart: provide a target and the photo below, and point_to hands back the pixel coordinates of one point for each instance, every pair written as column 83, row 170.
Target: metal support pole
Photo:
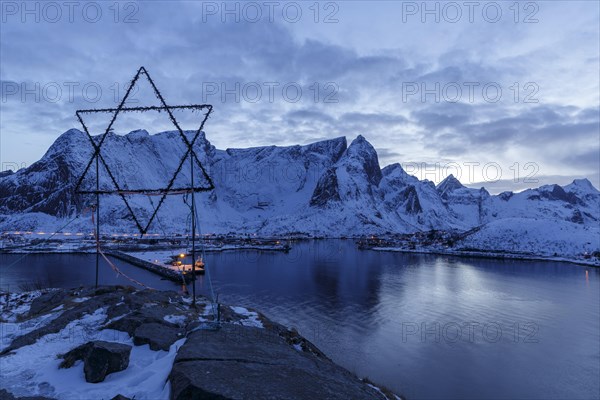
column 97, row 218
column 193, row 231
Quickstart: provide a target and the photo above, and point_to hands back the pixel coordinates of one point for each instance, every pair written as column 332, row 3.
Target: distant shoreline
column 463, row 254
column 490, row 255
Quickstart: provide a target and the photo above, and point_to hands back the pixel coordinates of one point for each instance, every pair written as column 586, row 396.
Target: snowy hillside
column 328, row 188
column 543, row 237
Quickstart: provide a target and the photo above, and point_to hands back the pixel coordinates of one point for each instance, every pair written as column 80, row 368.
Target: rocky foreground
column 120, row 343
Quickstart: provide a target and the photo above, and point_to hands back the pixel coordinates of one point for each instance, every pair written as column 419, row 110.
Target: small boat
column 187, row 268
column 200, row 266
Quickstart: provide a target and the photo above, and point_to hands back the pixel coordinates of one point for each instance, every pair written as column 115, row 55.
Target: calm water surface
column 425, row 326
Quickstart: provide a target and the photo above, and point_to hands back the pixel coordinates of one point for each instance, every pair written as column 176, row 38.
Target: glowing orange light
column 587, row 277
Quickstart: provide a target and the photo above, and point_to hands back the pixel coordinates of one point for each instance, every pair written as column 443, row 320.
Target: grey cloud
column 542, row 126
column 181, row 52
column 387, row 155
column 374, row 118
column 588, row 160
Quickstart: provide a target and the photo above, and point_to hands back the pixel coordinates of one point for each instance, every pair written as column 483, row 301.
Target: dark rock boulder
column 577, row 217
column 158, row 336
column 47, row 302
column 99, row 359
column 126, row 324
column 238, row 362
column 135, row 317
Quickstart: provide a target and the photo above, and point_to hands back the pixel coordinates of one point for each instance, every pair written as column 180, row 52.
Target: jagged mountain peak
column 396, row 172
column 72, row 131
column 354, row 176
column 360, row 143
column 429, row 183
column 71, row 141
column 581, row 187
column 71, row 134
column 392, row 168
column 138, row 133
column 449, row 184
column 363, row 156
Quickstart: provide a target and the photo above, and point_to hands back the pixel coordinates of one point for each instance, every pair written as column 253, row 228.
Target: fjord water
column 425, row 326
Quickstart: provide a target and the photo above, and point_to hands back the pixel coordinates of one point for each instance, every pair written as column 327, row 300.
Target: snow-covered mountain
column 328, row 188
column 467, row 203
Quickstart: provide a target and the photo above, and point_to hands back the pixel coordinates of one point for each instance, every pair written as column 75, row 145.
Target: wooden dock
column 165, row 272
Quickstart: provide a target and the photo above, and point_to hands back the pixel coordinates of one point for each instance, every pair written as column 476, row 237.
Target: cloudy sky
column 502, row 93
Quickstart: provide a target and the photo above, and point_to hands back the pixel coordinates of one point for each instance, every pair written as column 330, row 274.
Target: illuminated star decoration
column 169, row 189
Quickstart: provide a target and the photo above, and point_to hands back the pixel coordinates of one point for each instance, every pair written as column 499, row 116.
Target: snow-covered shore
column 165, row 347
column 492, row 255
column 511, row 238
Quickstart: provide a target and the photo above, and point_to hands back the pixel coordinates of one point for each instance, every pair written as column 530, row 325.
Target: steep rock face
column 362, row 158
column 327, row 190
column 466, row 203
column 260, row 179
column 347, row 195
column 410, row 201
column 353, row 177
column 48, row 185
column 416, row 202
column 553, row 192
